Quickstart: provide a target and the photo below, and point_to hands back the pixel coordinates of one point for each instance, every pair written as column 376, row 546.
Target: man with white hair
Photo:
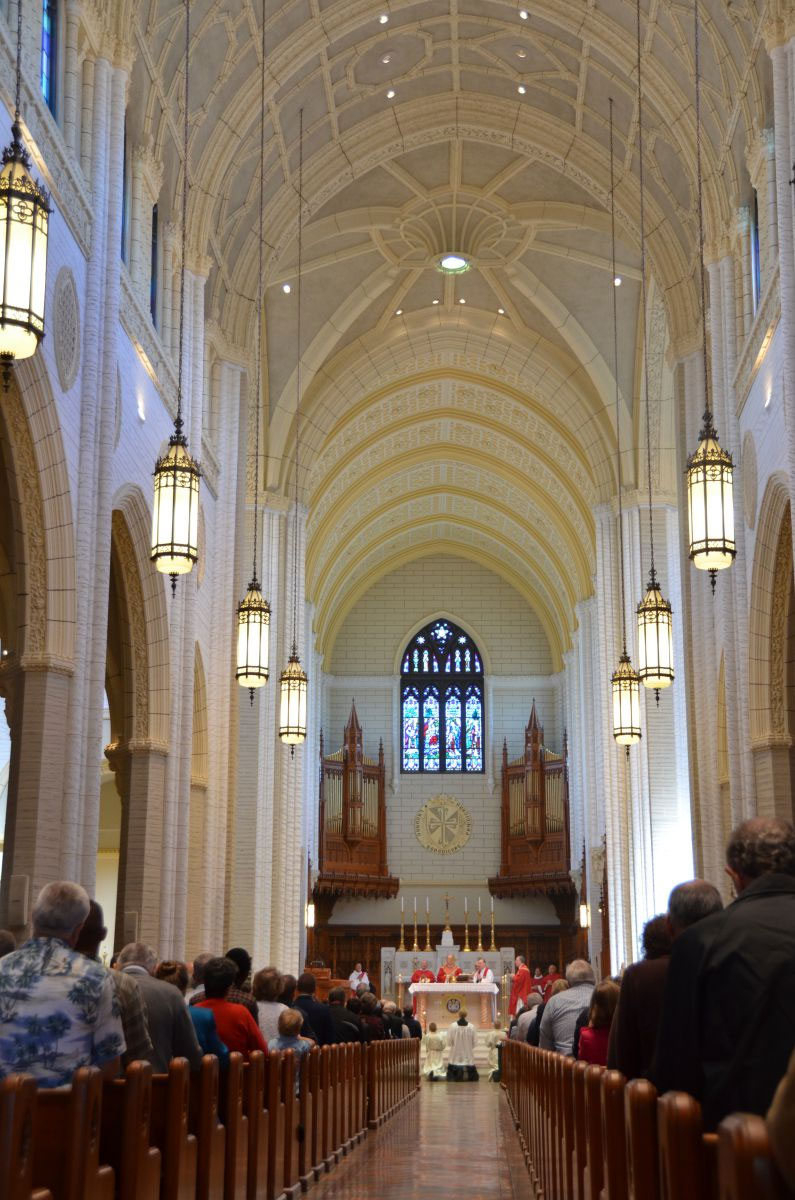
column 170, row 1026
column 561, row 1012
column 58, row 1009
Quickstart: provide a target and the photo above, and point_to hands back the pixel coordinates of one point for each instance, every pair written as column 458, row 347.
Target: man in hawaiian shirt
column 58, row 1010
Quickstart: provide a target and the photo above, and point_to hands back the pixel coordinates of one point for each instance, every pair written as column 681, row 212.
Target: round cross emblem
column 443, row 825
column 453, row 1004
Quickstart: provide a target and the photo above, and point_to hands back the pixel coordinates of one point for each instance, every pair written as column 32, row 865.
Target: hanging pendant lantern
column 655, row 639
column 175, row 515
column 293, row 686
column 253, row 634
column 24, row 219
column 626, row 703
column 710, row 503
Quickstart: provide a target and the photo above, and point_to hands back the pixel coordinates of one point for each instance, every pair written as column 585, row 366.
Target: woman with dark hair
column 176, row 973
column 236, row 1027
column 594, row 1036
column 287, row 994
column 267, row 986
column 373, row 1026
column 657, row 940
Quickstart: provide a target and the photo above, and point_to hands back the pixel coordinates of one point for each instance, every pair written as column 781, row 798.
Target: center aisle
column 455, row 1140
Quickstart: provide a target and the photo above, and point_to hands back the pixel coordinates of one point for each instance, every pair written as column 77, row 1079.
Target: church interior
column 397, row 455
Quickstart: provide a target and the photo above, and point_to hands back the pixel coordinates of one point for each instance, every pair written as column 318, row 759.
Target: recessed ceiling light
column 386, row 59
column 462, row 301
column 617, row 281
column 286, row 289
column 521, row 89
column 390, row 94
column 454, row 264
column 434, row 301
column 524, row 14
column 382, row 20
column 398, row 312
column 521, row 52
column 501, row 311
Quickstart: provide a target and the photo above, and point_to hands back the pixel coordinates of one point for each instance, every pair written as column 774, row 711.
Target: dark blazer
column 347, row 1026
column 727, row 1029
column 170, row 1027
column 319, row 1019
column 636, row 1021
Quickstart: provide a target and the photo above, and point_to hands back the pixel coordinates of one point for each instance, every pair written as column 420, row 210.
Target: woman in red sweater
column 594, row 1036
column 236, row 1027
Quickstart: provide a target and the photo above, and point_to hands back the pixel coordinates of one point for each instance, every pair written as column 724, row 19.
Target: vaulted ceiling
column 474, row 413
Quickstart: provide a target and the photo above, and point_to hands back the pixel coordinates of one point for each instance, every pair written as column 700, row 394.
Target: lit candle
column 466, row 906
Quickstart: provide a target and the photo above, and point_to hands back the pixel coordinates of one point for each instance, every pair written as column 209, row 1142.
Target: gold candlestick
column 466, row 934
column 427, row 935
column 480, row 933
column 402, row 945
column 416, row 945
column 493, row 945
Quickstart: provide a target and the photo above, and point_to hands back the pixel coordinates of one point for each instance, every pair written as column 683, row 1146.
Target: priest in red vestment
column 423, row 974
column 448, row 971
column 520, row 986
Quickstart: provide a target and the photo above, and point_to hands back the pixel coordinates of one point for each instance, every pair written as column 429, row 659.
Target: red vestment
column 547, row 983
column 421, row 976
column 445, row 975
column 520, row 988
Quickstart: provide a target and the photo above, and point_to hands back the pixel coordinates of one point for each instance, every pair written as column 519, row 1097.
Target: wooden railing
column 588, row 1134
column 258, row 1131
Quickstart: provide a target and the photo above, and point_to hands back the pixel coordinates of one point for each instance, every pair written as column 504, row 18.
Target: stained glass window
column 430, row 730
column 452, row 730
column 411, row 730
column 442, row 730
column 49, row 41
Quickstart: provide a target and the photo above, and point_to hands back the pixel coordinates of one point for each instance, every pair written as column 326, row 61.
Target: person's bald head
column 760, row 846
column 690, row 902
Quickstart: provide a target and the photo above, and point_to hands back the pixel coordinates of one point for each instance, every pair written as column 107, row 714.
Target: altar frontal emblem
column 443, row 825
column 453, row 1005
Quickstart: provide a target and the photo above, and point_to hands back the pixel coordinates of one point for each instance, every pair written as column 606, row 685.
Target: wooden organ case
column 352, row 822
column 535, row 824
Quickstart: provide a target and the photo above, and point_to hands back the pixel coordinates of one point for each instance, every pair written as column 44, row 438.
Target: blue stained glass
column 467, row 661
column 474, row 731
column 458, row 660
column 452, row 731
column 425, row 660
column 416, row 659
column 430, row 731
column 48, row 44
column 411, row 732
column 406, row 663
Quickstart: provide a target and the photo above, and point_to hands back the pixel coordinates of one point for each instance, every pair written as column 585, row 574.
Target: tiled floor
column 455, row 1141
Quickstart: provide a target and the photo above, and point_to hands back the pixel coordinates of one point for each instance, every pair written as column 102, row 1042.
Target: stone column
column 746, row 314
column 140, row 774
column 71, row 81
column 87, row 115
column 37, row 700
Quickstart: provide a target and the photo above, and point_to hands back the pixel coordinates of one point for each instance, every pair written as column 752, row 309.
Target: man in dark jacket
column 316, row 1015
column 347, row 1026
column 727, row 1030
column 633, row 1032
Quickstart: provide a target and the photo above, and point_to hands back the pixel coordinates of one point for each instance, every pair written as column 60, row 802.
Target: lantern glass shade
column 626, row 703
column 585, row 919
column 293, row 685
column 655, row 640
column 253, row 632
column 175, row 515
column 24, row 219
column 310, row 915
column 710, row 504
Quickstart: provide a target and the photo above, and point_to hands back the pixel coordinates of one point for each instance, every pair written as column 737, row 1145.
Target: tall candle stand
column 466, row 934
column 402, row 945
column 480, row 933
column 493, row 945
column 416, row 944
column 427, row 935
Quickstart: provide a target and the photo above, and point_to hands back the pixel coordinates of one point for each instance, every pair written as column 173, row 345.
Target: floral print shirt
column 58, row 1012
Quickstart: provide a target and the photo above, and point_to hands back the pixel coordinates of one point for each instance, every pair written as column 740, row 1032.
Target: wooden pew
column 275, row 1105
column 640, row 1111
column 17, row 1110
column 206, row 1127
column 566, row 1068
column 292, row 1184
column 593, row 1177
column 124, row 1136
column 236, row 1124
column 307, row 1101
column 614, row 1142
column 746, row 1170
column 169, row 1131
column 258, row 1130
column 688, row 1157
column 66, row 1140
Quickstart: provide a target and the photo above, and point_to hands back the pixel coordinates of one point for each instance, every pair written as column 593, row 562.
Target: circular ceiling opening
column 454, row 264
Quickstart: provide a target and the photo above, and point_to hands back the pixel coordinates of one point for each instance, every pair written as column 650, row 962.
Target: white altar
column 443, row 1002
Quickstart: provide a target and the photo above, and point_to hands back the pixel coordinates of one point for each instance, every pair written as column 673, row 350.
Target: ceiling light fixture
column 434, row 301
column 390, row 94
column 462, row 301
column 524, row 14
column 454, row 264
column 398, row 312
column 521, row 53
column 521, row 89
column 501, row 311
column 386, row 59
column 382, row 20
column 618, row 281
column 286, row 289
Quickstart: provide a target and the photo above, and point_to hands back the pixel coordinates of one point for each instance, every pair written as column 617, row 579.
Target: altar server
column 461, row 1045
column 494, row 1038
column 434, row 1053
column 520, row 986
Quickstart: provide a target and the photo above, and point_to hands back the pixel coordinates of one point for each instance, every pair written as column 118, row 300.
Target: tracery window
column 441, row 702
column 49, row 41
